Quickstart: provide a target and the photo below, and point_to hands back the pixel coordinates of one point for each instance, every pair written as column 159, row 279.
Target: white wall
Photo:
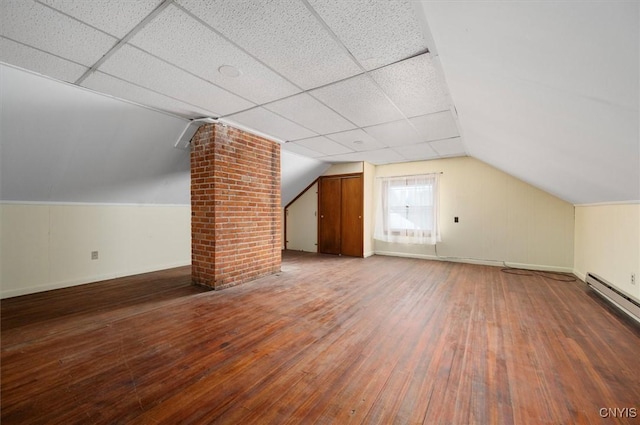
column 607, row 243
column 302, row 222
column 369, row 179
column 48, row 246
column 501, row 219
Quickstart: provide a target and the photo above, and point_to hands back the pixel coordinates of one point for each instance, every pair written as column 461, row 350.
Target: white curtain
column 407, row 210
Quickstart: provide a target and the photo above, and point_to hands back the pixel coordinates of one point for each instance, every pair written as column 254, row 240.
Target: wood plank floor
column 329, row 340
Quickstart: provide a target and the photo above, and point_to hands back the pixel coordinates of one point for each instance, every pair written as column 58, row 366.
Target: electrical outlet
column 633, row 278
column 455, row 219
column 94, row 255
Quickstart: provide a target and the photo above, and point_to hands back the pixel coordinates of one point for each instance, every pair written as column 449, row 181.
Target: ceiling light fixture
column 229, row 71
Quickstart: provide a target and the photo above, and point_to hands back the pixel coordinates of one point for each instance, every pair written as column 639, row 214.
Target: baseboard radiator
column 619, row 298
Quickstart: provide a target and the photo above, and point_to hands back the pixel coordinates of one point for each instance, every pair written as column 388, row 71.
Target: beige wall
column 48, row 246
column 501, row 219
column 369, row 179
column 302, row 222
column 607, row 243
column 344, row 168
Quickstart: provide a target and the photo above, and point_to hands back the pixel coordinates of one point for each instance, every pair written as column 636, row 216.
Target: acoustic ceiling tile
column 357, row 139
column 179, row 39
column 377, row 33
column 310, row 113
column 395, row 133
column 359, row 100
column 283, row 34
column 267, row 122
column 107, row 84
column 136, row 66
column 414, row 85
column 39, row 26
column 381, row 156
column 116, row 17
column 421, row 151
column 38, row 61
column 441, row 125
column 449, row 147
column 323, row 145
column 293, row 147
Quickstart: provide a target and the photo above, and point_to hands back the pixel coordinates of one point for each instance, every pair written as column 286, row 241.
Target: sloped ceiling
column 547, row 92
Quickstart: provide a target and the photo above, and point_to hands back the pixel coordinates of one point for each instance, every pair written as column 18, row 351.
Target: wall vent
column 625, row 302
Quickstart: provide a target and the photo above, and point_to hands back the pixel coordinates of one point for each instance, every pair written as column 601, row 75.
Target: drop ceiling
column 546, row 91
column 332, row 80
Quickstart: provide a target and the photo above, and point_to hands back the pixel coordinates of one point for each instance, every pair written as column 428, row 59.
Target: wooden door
column 329, row 215
column 340, row 203
column 351, row 216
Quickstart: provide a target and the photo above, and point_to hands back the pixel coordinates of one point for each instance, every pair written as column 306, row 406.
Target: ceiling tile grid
column 396, row 133
column 359, row 100
column 340, row 80
column 179, row 39
column 357, row 23
column 270, row 123
column 309, row 112
column 449, row 147
column 441, row 125
column 357, row 139
column 132, row 64
column 379, row 156
column 419, row 152
column 414, row 85
column 293, row 147
column 116, row 17
column 39, row 26
column 39, row 61
column 323, row 145
column 282, row 34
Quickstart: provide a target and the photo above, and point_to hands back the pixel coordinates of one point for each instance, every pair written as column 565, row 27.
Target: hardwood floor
column 329, row 340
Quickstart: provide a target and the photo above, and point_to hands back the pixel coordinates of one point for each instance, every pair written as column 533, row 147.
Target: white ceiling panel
column 414, row 85
column 449, row 147
column 441, row 125
column 380, row 156
column 310, row 113
column 270, row 123
column 301, row 150
column 357, row 139
column 39, row 26
column 38, row 61
column 104, row 83
column 421, row 151
column 283, row 34
column 116, row 17
column 395, row 133
column 359, row 100
column 134, row 65
column 357, row 25
column 324, row 146
column 171, row 37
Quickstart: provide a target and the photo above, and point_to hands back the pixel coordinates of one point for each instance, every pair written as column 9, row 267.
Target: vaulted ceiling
column 545, row 91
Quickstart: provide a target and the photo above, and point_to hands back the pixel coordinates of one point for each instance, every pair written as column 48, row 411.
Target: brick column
column 235, row 206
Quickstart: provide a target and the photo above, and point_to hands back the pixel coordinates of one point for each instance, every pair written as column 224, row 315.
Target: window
column 408, row 210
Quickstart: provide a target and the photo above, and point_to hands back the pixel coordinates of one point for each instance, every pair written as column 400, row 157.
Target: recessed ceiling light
column 358, row 142
column 229, row 71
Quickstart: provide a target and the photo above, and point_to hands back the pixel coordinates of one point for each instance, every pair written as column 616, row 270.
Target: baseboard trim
column 82, row 281
column 483, row 262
